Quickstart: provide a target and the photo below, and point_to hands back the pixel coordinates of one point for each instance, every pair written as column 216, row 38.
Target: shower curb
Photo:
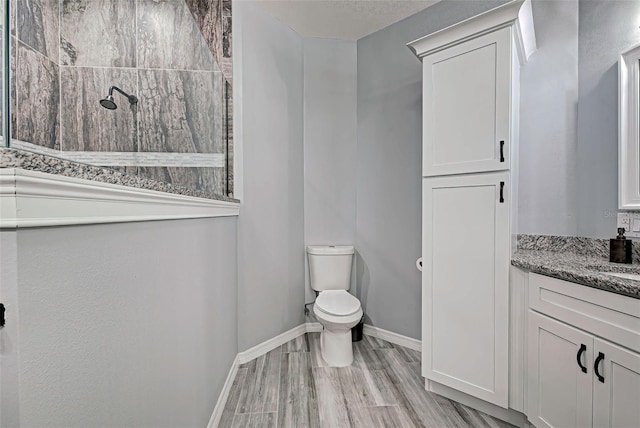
column 37, row 199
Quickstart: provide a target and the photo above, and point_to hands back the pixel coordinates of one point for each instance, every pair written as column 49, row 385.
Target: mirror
column 628, row 135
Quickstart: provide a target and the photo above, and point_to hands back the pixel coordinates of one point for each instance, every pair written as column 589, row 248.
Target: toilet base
column 336, row 347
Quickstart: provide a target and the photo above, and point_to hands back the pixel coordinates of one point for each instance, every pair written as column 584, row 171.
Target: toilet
column 336, row 309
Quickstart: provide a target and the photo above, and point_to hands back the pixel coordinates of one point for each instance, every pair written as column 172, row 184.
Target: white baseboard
column 224, row 395
column 314, row 327
column 394, row 338
column 281, row 339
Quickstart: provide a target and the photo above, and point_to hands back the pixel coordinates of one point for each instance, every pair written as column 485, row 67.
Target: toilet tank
column 330, row 266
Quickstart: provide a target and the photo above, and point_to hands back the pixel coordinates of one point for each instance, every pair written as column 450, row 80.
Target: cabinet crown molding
column 516, row 13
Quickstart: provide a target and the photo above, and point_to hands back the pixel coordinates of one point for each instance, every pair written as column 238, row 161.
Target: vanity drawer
column 608, row 315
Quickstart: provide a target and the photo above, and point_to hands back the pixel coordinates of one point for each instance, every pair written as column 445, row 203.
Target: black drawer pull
column 502, row 192
column 583, row 348
column 596, row 364
column 502, row 151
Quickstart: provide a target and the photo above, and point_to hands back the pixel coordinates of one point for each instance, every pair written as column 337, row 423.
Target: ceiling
column 341, row 19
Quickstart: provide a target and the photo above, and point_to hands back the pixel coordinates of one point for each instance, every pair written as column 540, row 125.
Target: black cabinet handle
column 2, row 320
column 596, row 364
column 502, row 192
column 502, row 151
column 583, row 348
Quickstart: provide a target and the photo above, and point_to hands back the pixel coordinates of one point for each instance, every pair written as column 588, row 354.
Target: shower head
column 110, row 104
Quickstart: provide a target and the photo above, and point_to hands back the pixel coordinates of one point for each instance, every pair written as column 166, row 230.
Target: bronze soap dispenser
column 620, row 248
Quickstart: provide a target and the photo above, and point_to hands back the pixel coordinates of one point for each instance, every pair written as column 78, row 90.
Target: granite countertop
column 578, row 260
column 11, row 158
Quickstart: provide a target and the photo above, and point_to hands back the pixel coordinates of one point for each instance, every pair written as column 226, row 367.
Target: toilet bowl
column 336, row 309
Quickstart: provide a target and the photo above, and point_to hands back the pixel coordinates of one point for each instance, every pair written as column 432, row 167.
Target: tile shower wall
column 35, row 95
column 174, row 55
column 2, row 52
column 215, row 25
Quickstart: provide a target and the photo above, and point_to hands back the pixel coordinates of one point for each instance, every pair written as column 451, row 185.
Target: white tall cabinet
column 465, row 327
column 470, row 132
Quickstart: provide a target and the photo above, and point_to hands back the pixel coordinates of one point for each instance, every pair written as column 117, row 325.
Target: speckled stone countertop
column 578, row 260
column 11, row 158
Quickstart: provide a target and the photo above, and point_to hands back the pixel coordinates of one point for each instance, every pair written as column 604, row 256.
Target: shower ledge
column 30, row 197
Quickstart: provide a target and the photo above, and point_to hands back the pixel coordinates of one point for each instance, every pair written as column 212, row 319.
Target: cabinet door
column 559, row 391
column 616, row 387
column 467, row 106
column 465, row 277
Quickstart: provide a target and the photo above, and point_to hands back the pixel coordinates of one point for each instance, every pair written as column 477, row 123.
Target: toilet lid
column 337, row 302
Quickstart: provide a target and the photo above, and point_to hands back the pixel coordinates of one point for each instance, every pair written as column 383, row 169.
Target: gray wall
column 549, row 124
column 329, row 144
column 607, row 28
column 389, row 166
column 270, row 226
column 123, row 325
column 9, row 390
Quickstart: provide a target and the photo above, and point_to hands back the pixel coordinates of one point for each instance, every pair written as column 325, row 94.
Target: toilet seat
column 337, row 303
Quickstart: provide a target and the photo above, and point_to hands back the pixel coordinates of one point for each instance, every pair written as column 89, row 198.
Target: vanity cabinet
column 616, row 392
column 577, row 376
column 470, row 121
column 560, row 391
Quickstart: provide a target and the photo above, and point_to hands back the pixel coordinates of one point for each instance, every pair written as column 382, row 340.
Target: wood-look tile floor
column 291, row 386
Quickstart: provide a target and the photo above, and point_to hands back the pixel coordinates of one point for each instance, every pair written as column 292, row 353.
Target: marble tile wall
column 12, row 62
column 38, row 26
column 209, row 180
column 86, row 125
column 169, row 38
column 2, row 76
column 214, row 21
column 12, row 16
column 229, row 135
column 159, row 50
column 13, row 100
column 98, row 33
column 187, row 104
column 226, row 63
column 37, row 98
column 35, row 88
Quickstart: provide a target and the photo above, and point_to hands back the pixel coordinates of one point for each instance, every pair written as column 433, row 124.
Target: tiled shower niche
column 173, row 55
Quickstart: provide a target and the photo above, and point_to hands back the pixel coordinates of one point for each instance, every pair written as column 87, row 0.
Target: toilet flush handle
column 419, row 264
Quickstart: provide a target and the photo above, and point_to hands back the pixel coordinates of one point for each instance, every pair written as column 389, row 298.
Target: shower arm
column 132, row 98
